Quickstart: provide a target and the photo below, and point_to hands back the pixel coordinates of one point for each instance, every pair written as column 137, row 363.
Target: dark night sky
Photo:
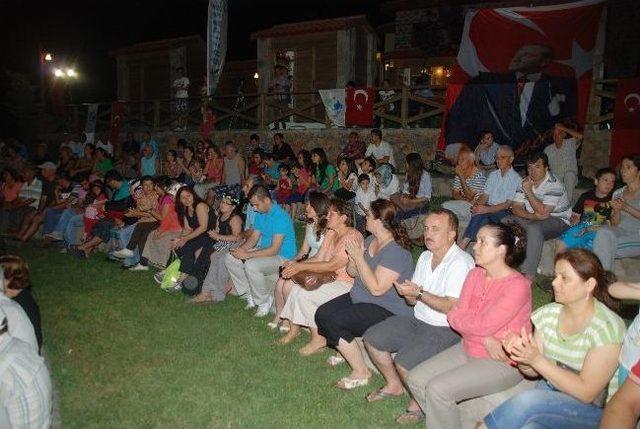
column 83, row 32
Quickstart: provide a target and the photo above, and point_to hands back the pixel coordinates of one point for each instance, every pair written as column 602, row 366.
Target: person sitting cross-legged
column 541, row 206
column 255, row 264
column 433, row 290
column 494, row 202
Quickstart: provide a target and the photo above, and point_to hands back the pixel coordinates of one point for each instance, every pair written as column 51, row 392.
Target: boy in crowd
column 365, row 194
column 592, row 209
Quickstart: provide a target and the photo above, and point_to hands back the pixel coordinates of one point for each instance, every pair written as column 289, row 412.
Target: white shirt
column 552, row 193
column 182, row 87
column 20, row 326
column 501, row 188
column 380, row 151
column 365, row 198
column 446, row 280
column 25, row 386
column 562, row 160
column 424, row 188
column 108, row 147
column 32, row 190
column 394, row 187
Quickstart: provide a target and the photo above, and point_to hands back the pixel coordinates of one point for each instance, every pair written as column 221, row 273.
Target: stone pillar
column 265, row 64
column 371, row 59
column 346, row 56
column 122, row 67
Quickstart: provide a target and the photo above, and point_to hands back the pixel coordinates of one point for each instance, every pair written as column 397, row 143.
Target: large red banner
column 520, row 71
column 626, row 115
column 359, row 107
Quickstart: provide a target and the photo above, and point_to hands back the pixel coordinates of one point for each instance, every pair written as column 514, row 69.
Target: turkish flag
column 117, row 116
column 359, row 107
column 625, row 139
column 519, row 71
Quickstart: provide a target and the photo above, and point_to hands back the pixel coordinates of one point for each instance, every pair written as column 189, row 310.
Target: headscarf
column 386, row 174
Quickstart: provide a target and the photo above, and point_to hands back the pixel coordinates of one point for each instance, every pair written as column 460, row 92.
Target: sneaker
column 250, row 302
column 263, row 309
column 159, row 276
column 123, row 253
column 55, row 236
column 175, row 288
column 139, row 267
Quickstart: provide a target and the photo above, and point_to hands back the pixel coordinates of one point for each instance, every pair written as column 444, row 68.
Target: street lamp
column 58, row 72
column 48, row 57
column 71, row 73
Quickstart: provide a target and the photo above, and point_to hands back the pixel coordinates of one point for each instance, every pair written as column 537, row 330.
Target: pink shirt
column 490, row 308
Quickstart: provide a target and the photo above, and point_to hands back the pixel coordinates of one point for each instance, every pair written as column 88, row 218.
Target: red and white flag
column 520, row 70
column 625, row 139
column 359, row 106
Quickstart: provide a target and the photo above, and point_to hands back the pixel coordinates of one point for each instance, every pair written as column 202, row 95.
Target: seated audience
column 213, row 174
column 32, row 220
column 270, row 170
column 622, row 238
column 541, row 207
column 66, row 159
column 256, row 162
column 149, row 164
column 468, row 185
column 354, row 149
column 486, row 151
column 10, row 188
column 416, row 191
column 495, row 200
column 592, row 210
column 301, row 304
column 630, row 352
column 495, row 300
column 347, row 179
column 172, row 167
column 84, row 164
column 433, row 291
column 62, row 195
column 284, row 187
column 102, row 162
column 368, row 167
column 26, row 204
column 302, row 183
column 26, row 393
column 193, row 245
column 384, row 260
column 225, row 234
column 562, row 156
column 365, row 195
column 17, row 286
column 326, row 175
column 190, row 166
column 623, row 409
column 281, row 150
column 574, row 350
column 255, row 264
column 157, row 248
column 314, row 235
column 379, row 150
column 20, row 326
column 234, row 170
column 386, row 182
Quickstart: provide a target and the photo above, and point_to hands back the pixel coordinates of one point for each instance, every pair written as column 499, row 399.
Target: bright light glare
column 58, row 73
column 256, row 75
column 48, row 57
column 71, row 73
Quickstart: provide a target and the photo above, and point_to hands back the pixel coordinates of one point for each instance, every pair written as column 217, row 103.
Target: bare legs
column 353, row 356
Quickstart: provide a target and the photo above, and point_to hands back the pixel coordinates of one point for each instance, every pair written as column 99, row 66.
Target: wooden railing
column 406, row 108
column 602, row 102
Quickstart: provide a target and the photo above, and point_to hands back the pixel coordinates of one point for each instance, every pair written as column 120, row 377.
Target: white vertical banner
column 90, row 125
column 216, row 42
column 334, row 104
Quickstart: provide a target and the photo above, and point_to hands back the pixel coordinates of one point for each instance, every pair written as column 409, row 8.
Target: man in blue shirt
column 495, row 201
column 254, row 266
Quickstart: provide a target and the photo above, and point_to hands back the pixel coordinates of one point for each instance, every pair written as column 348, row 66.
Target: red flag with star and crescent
column 625, row 138
column 359, row 107
column 520, row 70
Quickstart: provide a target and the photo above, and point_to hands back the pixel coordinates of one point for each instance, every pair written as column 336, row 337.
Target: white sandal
column 347, row 383
column 335, row 360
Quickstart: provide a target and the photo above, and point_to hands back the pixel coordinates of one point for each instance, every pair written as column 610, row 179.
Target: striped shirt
column 552, row 193
column 25, row 386
column 605, row 327
column 476, row 182
column 33, row 191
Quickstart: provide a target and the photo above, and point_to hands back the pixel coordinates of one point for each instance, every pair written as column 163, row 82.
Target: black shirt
column 592, row 208
column 29, row 305
column 284, row 152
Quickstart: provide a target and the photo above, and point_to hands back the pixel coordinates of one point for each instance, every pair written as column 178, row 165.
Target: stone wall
column 595, row 151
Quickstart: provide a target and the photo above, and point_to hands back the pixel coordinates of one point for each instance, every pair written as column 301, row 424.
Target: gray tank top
column 232, row 171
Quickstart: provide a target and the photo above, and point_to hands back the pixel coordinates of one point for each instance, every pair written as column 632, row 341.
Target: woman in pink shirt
column 495, row 300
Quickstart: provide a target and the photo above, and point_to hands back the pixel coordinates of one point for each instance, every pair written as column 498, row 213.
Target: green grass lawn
column 127, row 355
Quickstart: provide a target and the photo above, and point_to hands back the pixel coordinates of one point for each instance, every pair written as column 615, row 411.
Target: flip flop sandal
column 410, row 417
column 348, row 383
column 380, row 395
column 335, row 360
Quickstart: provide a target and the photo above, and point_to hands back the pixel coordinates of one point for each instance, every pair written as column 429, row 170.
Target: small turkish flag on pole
column 359, row 107
column 626, row 115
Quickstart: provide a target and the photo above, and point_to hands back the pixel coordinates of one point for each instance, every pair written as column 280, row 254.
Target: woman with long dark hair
column 416, row 192
column 325, row 173
column 384, row 260
column 347, row 178
column 574, row 350
column 316, row 210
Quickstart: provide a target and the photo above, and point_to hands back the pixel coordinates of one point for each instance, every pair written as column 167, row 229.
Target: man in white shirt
column 434, row 290
column 499, row 192
column 379, row 149
column 25, row 383
column 563, row 160
column 541, row 206
column 12, row 214
column 181, row 88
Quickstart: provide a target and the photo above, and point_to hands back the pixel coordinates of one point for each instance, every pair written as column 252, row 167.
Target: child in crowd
column 271, row 170
column 284, row 187
column 592, row 209
column 149, row 163
column 255, row 163
column 302, row 184
column 94, row 210
column 214, row 166
column 347, row 178
column 368, row 166
column 365, row 194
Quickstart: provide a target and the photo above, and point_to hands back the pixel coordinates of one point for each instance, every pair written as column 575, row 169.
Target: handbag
column 312, row 281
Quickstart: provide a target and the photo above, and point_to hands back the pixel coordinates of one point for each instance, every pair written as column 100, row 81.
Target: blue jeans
column 66, row 215
column 544, row 408
column 125, row 235
column 51, row 219
column 70, row 232
column 480, row 220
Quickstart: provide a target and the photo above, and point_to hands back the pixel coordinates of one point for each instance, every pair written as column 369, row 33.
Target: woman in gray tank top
column 233, row 165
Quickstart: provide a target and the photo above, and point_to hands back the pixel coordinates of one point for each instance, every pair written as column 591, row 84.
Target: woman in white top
column 387, row 182
column 416, row 191
column 316, row 211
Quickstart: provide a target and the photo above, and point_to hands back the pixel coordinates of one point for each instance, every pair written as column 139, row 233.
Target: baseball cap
column 49, row 165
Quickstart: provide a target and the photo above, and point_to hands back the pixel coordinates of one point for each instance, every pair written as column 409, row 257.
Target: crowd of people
column 215, row 221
